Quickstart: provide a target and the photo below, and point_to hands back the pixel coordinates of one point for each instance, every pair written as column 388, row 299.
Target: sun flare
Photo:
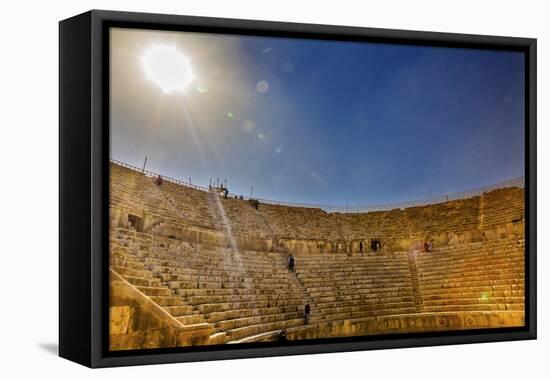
column 167, row 67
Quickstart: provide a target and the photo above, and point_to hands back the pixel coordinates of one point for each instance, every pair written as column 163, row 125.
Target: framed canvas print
column 233, row 188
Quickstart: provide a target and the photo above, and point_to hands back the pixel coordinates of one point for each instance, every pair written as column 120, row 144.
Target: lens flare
column 262, row 86
column 201, row 87
column 248, row 126
column 168, row 68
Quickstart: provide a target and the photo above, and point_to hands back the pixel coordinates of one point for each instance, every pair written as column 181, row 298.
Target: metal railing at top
column 513, row 183
column 153, row 174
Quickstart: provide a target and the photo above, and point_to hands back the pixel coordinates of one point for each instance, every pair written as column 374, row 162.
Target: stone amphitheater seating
column 238, row 292
column 300, row 223
column 482, row 276
column 386, row 225
column 453, row 216
column 343, row 287
column 503, row 206
column 135, row 191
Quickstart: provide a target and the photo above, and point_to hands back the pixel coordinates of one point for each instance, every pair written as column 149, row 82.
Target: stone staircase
column 418, row 301
column 344, row 287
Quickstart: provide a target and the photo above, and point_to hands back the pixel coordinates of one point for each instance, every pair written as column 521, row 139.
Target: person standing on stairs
column 307, row 311
column 291, row 263
column 428, row 246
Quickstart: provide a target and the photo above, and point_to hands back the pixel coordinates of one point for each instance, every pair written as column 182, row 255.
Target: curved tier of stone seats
column 503, row 206
column 132, row 189
column 453, row 216
column 194, row 206
column 300, row 222
column 385, row 225
column 346, row 287
column 210, row 210
column 244, row 219
column 248, row 295
column 126, row 247
column 241, row 293
column 480, row 276
column 184, row 204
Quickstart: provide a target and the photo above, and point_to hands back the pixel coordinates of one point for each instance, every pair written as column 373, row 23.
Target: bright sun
column 168, row 68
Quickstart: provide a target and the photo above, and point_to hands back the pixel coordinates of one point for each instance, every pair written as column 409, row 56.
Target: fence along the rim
column 518, row 182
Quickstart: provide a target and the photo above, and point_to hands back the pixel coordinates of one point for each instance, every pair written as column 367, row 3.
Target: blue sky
column 322, row 121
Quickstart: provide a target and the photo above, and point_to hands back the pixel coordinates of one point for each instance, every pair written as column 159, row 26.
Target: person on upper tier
column 158, row 180
column 254, row 202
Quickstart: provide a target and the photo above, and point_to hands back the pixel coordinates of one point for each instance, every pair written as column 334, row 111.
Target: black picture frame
column 84, row 192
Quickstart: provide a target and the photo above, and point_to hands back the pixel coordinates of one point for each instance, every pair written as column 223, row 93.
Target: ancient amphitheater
column 189, row 267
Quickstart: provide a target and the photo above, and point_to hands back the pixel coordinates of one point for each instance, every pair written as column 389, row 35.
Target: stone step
column 481, row 287
column 478, row 307
column 154, row 291
column 227, row 325
column 138, row 281
column 218, row 338
column 165, row 301
column 177, row 311
column 123, row 271
column 266, row 336
column 343, row 315
column 370, row 304
column 228, row 285
column 218, row 307
column 240, row 333
column 484, row 299
column 241, row 278
column 353, row 278
column 245, row 313
column 237, row 291
column 447, row 284
column 190, row 319
column 389, row 297
column 471, row 294
column 280, row 297
column 175, row 275
column 362, row 286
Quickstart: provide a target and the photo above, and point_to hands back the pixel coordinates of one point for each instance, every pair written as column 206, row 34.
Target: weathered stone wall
column 300, row 246
column 438, row 239
column 408, row 323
